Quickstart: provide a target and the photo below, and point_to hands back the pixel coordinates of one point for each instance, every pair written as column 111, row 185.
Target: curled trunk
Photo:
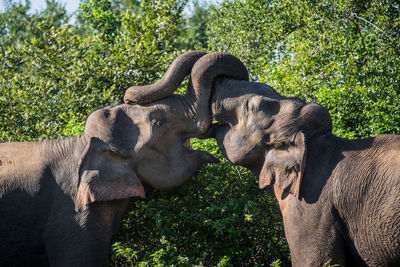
column 204, row 68
column 171, row 80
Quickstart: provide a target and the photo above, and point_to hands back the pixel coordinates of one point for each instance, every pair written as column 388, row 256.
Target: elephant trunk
column 205, row 70
column 171, row 80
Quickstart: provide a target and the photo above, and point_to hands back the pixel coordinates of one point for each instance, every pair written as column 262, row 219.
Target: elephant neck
column 220, row 91
column 65, row 148
column 36, row 166
column 61, row 159
column 312, row 135
column 323, row 146
column 322, row 156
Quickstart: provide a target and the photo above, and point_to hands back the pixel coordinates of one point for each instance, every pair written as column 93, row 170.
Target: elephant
column 339, row 198
column 61, row 201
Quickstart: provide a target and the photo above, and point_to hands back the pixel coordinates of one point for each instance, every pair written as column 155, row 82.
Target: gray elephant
column 61, row 201
column 340, row 198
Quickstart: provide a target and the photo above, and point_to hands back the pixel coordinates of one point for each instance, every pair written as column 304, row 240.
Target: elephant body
column 340, row 198
column 39, row 225
column 349, row 206
column 61, row 201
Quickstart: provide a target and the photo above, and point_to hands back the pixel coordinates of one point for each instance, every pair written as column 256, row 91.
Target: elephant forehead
column 241, row 140
column 250, row 97
column 113, row 125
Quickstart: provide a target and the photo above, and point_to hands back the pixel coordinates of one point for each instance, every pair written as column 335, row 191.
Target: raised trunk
column 204, row 69
column 171, row 80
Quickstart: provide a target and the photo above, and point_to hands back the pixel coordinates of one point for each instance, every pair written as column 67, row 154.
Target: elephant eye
column 157, row 123
column 226, row 117
column 157, row 118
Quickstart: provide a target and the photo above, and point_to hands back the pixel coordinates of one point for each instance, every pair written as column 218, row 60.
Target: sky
column 71, row 5
column 37, row 5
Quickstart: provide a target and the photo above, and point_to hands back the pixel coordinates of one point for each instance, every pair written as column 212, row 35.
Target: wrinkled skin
column 61, row 201
column 340, row 199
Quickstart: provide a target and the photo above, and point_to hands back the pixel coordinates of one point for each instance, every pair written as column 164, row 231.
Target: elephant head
column 146, row 140
column 264, row 131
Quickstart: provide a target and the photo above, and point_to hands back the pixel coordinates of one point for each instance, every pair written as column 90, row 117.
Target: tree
column 343, row 54
column 194, row 31
column 17, row 25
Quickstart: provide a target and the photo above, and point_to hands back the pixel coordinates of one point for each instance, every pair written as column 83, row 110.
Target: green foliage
column 195, row 36
column 103, row 17
column 343, row 54
column 329, row 264
column 17, row 25
column 128, row 5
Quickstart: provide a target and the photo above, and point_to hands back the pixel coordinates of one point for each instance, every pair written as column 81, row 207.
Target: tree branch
column 370, row 23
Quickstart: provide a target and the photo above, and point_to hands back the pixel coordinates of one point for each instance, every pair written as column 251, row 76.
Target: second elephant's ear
column 284, row 165
column 104, row 174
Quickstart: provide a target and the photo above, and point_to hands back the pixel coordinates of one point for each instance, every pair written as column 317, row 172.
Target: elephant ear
column 284, row 165
column 105, row 174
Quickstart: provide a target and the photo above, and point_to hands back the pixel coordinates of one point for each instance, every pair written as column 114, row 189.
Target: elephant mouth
column 186, row 144
column 200, row 156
